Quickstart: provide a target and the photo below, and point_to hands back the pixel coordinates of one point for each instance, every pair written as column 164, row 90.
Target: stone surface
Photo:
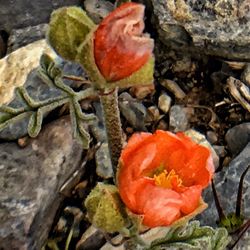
column 103, row 162
column 98, row 9
column 15, row 67
column 220, row 28
column 178, row 118
column 245, row 76
column 226, row 183
column 30, row 181
column 164, row 102
column 174, row 88
column 20, row 37
column 140, row 92
column 220, row 150
column 238, row 137
column 24, row 13
column 133, row 110
column 212, row 137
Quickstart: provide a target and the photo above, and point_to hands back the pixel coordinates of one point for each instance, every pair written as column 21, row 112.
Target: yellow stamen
column 165, row 179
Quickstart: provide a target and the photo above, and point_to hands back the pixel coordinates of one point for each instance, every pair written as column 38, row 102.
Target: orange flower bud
column 120, row 48
column 162, row 175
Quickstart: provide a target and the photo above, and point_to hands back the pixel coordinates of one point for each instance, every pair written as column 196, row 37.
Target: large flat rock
column 23, row 13
column 220, row 28
column 30, row 181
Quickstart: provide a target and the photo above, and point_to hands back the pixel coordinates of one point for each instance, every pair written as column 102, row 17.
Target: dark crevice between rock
column 3, row 42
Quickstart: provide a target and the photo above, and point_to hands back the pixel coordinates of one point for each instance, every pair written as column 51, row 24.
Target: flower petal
column 163, row 205
column 190, row 197
column 119, row 47
column 159, row 206
column 196, row 171
column 134, row 142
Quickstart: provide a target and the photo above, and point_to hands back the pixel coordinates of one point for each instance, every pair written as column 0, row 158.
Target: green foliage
column 232, row 222
column 35, row 110
column 193, row 236
column 105, row 208
column 68, row 29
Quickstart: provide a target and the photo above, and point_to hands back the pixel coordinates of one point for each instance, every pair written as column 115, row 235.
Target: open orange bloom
column 120, row 48
column 161, row 176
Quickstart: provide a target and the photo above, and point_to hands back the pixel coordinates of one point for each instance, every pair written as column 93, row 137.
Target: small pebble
column 184, row 65
column 133, row 110
column 237, row 137
column 212, row 137
column 178, row 118
column 174, row 88
column 235, row 65
column 23, row 142
column 140, row 92
column 98, row 9
column 153, row 114
column 220, row 150
column 103, row 162
column 162, row 125
column 164, row 102
column 245, row 76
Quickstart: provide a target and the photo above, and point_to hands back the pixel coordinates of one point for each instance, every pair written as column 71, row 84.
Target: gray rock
column 238, row 137
column 220, row 150
column 24, row 13
column 245, row 76
column 174, row 88
column 21, row 37
column 98, row 9
column 133, row 110
column 220, row 28
column 97, row 126
column 226, row 183
column 15, row 67
column 164, row 102
column 103, row 162
column 30, row 181
column 212, row 137
column 178, row 118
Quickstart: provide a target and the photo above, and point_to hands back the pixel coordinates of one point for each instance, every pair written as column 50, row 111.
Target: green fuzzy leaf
column 79, row 131
column 68, row 29
column 193, row 236
column 34, row 110
column 105, row 208
column 85, row 56
column 48, row 70
column 143, row 76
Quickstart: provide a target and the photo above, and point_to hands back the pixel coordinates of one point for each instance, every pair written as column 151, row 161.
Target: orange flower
column 120, row 48
column 161, row 176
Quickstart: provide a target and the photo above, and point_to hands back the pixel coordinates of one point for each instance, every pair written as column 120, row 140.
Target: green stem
column 113, row 126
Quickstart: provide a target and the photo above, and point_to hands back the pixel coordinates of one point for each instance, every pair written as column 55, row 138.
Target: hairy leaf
column 193, row 236
column 36, row 110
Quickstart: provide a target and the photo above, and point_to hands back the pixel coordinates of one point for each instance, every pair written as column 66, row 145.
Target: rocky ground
column 202, row 83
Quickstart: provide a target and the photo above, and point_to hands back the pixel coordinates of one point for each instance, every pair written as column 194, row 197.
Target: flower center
column 167, row 180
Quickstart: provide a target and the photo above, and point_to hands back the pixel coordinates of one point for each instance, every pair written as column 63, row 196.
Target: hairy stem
column 113, row 125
